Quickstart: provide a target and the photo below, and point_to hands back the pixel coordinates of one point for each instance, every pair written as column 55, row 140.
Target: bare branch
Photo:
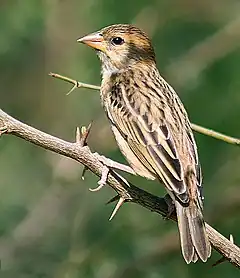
column 195, row 127
column 77, row 84
column 126, row 191
column 215, row 134
column 223, row 259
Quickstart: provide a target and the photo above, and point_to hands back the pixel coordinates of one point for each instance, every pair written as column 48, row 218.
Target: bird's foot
column 81, row 139
column 103, row 180
column 104, row 174
column 107, row 165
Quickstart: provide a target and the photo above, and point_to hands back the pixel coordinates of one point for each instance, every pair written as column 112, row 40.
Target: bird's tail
column 194, row 240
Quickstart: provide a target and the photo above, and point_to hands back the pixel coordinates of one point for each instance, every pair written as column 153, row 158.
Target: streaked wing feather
column 150, row 139
column 193, row 152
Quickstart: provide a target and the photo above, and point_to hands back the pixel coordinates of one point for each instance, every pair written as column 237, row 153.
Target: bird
column 151, row 127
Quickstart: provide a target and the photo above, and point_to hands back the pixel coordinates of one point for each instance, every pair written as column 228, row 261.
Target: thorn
column 81, row 139
column 231, row 238
column 119, row 204
column 120, row 178
column 83, row 172
column 73, row 88
column 115, row 198
column 223, row 259
column 218, row 262
column 84, row 134
column 170, row 207
column 83, row 130
column 3, row 130
column 78, row 135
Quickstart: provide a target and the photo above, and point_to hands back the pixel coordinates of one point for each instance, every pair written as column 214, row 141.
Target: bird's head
column 120, row 46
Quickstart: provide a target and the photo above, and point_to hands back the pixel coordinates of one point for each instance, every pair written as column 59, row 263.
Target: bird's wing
column 142, row 122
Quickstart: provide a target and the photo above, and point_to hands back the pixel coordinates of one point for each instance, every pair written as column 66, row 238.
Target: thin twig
column 195, row 127
column 74, row 82
column 215, row 134
column 127, row 191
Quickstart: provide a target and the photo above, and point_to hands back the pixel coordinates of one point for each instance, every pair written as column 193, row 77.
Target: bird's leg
column 114, row 165
column 107, row 165
column 171, row 206
column 81, row 139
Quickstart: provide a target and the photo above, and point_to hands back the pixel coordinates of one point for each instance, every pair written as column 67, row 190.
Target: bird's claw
column 100, row 186
column 103, row 180
column 107, row 165
column 83, row 172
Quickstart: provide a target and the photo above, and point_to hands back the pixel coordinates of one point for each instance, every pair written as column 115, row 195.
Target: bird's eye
column 117, row 41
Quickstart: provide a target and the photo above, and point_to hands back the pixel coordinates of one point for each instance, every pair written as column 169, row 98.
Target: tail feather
column 194, row 240
column 195, row 258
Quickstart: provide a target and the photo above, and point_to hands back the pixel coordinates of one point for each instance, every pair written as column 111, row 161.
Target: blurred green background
column 51, row 225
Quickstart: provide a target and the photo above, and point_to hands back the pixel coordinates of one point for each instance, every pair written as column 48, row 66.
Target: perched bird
column 152, row 127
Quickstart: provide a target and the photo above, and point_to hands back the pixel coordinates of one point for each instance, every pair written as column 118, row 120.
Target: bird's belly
column 131, row 157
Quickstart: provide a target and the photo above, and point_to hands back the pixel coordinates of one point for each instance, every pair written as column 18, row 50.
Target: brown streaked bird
column 152, row 127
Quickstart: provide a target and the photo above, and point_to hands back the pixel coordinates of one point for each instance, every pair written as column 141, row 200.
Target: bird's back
column 151, row 118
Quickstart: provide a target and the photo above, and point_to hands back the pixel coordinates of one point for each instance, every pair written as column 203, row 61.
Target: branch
column 215, row 134
column 125, row 191
column 197, row 128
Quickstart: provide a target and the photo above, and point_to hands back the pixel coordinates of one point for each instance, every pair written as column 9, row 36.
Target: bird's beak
column 94, row 40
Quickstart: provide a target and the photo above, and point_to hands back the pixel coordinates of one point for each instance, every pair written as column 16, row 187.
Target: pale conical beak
column 94, row 40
